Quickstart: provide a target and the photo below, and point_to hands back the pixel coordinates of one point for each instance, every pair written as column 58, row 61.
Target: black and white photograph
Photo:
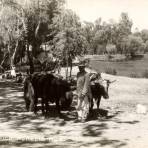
column 73, row 74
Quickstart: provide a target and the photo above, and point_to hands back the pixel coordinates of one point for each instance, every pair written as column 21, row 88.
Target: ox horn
column 113, row 81
column 106, row 80
column 109, row 81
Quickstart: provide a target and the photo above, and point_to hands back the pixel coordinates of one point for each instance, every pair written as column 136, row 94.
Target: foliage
column 134, row 75
column 102, row 35
column 122, row 30
column 8, row 25
column 125, row 24
column 134, row 44
column 145, row 74
column 32, row 24
column 144, row 34
column 35, row 22
column 111, row 49
column 69, row 41
column 146, row 46
column 88, row 33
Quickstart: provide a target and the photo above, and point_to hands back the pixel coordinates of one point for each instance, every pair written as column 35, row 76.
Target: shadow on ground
column 68, row 144
column 13, row 117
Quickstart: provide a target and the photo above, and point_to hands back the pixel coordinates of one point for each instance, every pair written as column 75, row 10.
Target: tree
column 102, row 36
column 8, row 25
column 122, row 30
column 134, row 44
column 146, row 46
column 34, row 23
column 125, row 24
column 111, row 49
column 144, row 35
column 88, row 33
column 136, row 32
column 69, row 40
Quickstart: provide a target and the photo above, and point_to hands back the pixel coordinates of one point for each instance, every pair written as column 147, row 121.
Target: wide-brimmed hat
column 82, row 63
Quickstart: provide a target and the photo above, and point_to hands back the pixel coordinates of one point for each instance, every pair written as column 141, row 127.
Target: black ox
column 99, row 89
column 49, row 88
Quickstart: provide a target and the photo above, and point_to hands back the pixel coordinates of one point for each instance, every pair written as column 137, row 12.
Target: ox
column 49, row 88
column 99, row 89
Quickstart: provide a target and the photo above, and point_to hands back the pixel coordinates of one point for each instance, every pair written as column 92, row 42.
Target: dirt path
column 122, row 127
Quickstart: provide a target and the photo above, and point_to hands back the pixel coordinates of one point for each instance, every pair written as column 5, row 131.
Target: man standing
column 83, row 91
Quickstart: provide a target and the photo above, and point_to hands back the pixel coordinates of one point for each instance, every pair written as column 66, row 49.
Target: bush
column 145, row 74
column 111, row 71
column 134, row 75
column 109, row 56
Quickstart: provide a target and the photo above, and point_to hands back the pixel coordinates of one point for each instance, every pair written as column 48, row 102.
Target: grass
column 124, row 68
column 145, row 74
column 111, row 71
column 134, row 75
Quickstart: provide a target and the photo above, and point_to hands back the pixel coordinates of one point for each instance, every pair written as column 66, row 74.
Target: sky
column 90, row 10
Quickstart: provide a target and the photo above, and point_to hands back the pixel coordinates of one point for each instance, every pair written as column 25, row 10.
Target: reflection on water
column 124, row 68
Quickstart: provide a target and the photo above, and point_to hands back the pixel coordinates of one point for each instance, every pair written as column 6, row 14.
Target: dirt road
column 122, row 127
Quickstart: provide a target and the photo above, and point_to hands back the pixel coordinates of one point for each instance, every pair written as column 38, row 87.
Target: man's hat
column 82, row 63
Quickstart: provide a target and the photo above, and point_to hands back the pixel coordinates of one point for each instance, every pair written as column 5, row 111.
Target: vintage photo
column 73, row 74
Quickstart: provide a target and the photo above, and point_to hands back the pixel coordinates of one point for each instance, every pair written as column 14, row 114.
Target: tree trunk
column 13, row 58
column 30, row 60
column 70, row 67
column 35, row 49
column 66, row 68
column 4, row 59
